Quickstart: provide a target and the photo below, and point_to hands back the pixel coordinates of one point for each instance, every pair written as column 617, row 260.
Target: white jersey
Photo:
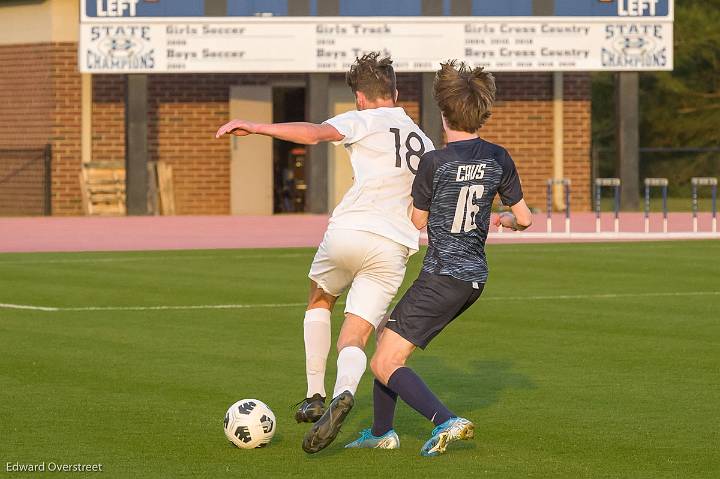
column 385, row 146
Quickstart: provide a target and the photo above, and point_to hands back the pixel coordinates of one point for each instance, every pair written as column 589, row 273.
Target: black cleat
column 311, row 409
column 326, row 429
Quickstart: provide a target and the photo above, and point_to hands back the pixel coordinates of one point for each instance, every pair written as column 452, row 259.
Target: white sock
column 351, row 365
column 317, row 347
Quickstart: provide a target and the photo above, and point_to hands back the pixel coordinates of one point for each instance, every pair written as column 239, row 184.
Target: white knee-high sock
column 351, row 365
column 316, row 327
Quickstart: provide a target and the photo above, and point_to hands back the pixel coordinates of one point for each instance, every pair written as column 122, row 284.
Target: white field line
column 26, row 306
column 558, row 297
column 189, row 307
column 602, row 296
column 151, row 257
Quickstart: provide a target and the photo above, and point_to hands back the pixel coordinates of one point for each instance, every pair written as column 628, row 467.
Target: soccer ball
column 249, row 423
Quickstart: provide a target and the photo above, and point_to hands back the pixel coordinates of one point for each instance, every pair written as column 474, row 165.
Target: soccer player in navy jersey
column 453, row 194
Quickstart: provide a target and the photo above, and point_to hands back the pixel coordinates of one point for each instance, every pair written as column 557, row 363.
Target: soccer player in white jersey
column 369, row 237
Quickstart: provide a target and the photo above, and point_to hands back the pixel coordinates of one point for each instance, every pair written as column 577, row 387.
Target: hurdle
column 657, row 183
column 713, row 184
column 599, row 184
column 566, row 186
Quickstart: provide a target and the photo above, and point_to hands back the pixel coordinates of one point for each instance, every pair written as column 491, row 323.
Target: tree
column 679, row 108
column 682, row 107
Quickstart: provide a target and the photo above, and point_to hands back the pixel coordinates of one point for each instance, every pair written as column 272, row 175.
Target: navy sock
column 417, row 395
column 384, row 401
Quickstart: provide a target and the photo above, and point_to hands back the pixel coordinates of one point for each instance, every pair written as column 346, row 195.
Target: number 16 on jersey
column 466, row 208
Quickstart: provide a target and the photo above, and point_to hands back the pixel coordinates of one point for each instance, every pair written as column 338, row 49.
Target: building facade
column 44, row 99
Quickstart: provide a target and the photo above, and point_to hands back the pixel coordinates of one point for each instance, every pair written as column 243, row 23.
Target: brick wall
column 40, row 104
column 522, row 122
column 25, row 126
column 108, row 118
column 185, row 111
column 66, row 130
column 40, row 91
column 410, row 94
column 26, row 96
column 577, row 114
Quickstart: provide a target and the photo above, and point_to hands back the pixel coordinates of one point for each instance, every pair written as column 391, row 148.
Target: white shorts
column 371, row 265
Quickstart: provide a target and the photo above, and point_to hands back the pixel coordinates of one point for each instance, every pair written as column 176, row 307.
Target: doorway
column 289, row 186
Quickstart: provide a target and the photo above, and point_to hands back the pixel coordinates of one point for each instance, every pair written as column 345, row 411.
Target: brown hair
column 372, row 76
column 465, row 95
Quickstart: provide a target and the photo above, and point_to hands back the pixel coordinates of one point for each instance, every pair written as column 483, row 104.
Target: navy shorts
column 431, row 303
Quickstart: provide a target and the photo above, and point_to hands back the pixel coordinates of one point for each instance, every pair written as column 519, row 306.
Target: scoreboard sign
column 144, row 36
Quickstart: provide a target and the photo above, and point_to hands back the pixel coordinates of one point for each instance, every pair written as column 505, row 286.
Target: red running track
column 60, row 234
column 159, row 233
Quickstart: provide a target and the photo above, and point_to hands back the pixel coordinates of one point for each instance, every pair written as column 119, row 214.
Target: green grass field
column 579, row 361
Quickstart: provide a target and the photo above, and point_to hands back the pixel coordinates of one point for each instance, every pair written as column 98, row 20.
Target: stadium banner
column 174, row 10
column 118, row 36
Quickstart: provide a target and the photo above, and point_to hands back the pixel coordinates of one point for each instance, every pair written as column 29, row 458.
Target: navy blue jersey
column 457, row 186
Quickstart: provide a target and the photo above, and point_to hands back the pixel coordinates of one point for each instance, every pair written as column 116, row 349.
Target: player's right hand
column 237, row 128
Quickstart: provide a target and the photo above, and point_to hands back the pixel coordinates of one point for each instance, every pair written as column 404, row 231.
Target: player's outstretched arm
column 520, row 219
column 299, row 132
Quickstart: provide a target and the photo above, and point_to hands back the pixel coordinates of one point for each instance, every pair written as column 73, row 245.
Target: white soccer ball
column 249, row 423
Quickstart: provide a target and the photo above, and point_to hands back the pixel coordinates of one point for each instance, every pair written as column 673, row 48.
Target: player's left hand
column 237, row 128
column 506, row 220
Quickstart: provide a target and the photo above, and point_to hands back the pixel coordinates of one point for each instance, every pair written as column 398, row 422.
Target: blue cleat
column 454, row 429
column 389, row 440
